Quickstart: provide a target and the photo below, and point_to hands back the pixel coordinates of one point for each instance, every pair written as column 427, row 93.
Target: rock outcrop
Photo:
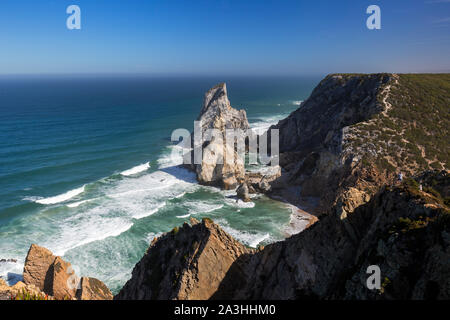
column 188, row 263
column 19, row 290
column 243, row 193
column 221, row 164
column 355, row 133
column 37, row 265
column 56, row 277
column 402, row 230
column 346, row 145
column 93, row 289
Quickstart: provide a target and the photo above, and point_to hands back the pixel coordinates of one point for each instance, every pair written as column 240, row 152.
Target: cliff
column 355, row 133
column 404, row 231
column 187, row 263
column 346, row 145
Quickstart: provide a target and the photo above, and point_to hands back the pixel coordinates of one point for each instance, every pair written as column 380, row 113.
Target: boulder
column 37, row 265
column 93, row 289
column 243, row 192
column 64, row 281
column 56, row 277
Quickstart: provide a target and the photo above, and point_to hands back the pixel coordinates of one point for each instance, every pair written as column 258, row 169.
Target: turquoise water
column 86, row 167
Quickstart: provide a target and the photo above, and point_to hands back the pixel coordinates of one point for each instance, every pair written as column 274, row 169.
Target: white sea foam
column 11, row 272
column 196, row 208
column 258, row 240
column 152, row 236
column 172, row 157
column 250, row 239
column 297, row 102
column 263, row 124
column 62, row 197
column 239, row 203
column 138, row 169
column 149, row 213
column 76, row 231
column 77, row 204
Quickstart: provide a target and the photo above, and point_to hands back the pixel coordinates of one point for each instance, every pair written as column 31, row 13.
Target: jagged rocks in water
column 56, row 277
column 37, row 265
column 243, row 193
column 217, row 113
column 188, row 263
column 8, row 260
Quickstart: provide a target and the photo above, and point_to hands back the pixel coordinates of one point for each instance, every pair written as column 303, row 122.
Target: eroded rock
column 93, row 289
column 221, row 164
column 56, row 277
column 188, row 263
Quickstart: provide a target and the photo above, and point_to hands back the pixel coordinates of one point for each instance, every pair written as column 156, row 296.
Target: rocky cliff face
column 355, row 133
column 402, row 230
column 188, row 263
column 218, row 114
column 345, row 144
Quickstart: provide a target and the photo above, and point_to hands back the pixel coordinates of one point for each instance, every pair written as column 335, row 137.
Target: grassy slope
column 413, row 134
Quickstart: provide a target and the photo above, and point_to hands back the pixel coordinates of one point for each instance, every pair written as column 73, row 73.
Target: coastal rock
column 36, row 269
column 398, row 229
column 404, row 231
column 188, row 263
column 243, row 192
column 64, row 281
column 261, row 180
column 354, row 132
column 93, row 289
column 18, row 291
column 221, row 164
column 8, row 260
column 56, row 277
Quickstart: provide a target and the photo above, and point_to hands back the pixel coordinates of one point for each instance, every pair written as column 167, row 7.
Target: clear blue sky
column 224, row 37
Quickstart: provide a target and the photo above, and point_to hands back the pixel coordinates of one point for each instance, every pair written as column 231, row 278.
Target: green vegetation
column 422, row 111
column 26, row 295
column 413, row 134
column 404, row 225
column 385, row 285
column 208, row 220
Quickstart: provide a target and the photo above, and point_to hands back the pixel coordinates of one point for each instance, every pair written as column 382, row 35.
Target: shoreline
column 300, row 219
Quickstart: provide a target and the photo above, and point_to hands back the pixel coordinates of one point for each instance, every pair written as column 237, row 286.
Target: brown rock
column 187, row 263
column 221, row 164
column 93, row 289
column 37, row 265
column 56, row 277
column 64, row 281
column 243, row 192
column 11, row 292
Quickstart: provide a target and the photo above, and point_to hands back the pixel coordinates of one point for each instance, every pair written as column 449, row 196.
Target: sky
column 241, row 37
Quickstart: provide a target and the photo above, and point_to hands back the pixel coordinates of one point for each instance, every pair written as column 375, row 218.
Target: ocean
column 86, row 167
